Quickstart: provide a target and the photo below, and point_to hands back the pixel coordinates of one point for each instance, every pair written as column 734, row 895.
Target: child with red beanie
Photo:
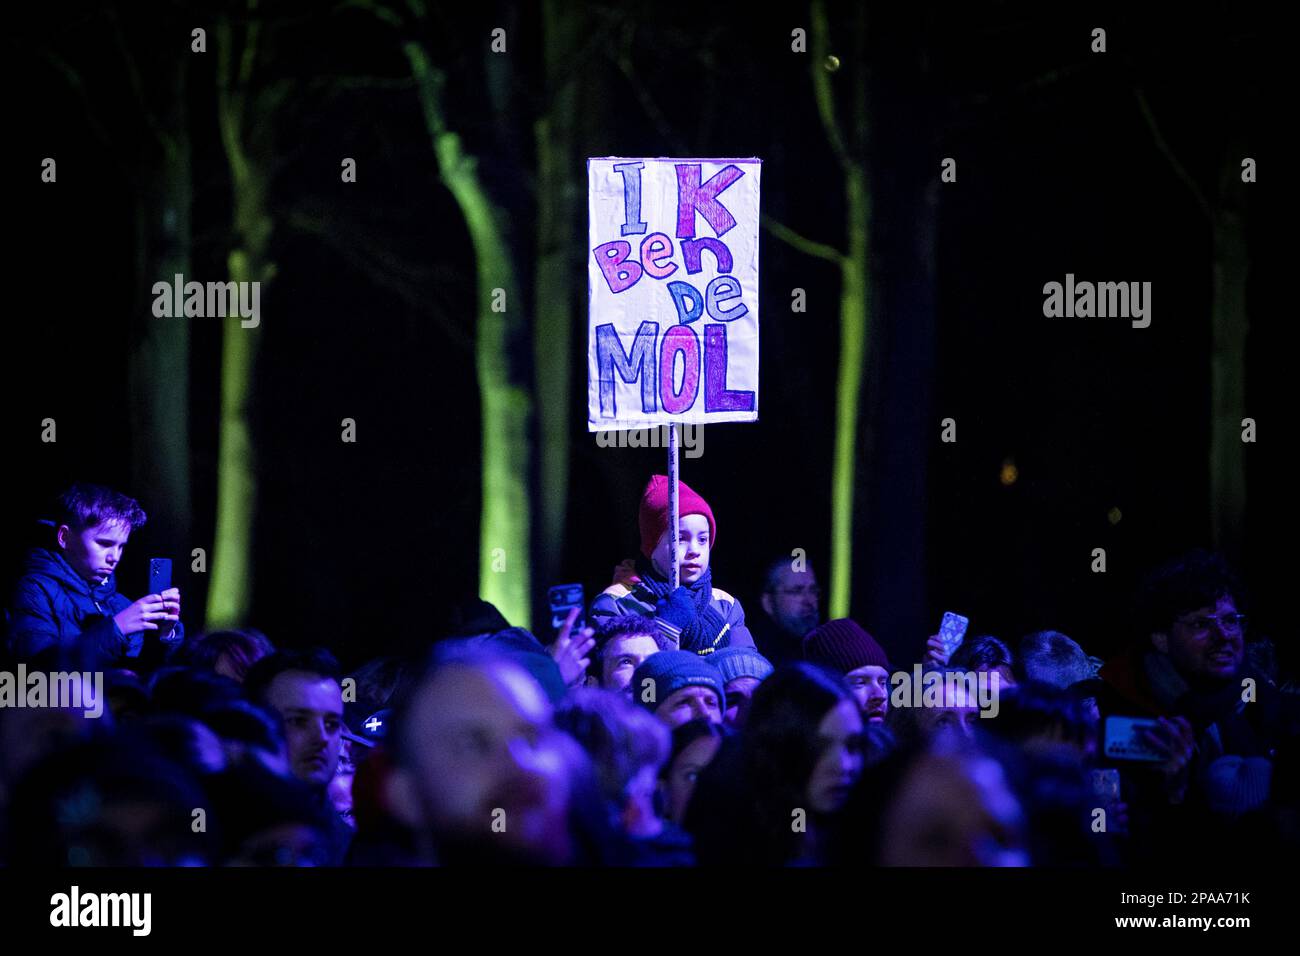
column 696, row 616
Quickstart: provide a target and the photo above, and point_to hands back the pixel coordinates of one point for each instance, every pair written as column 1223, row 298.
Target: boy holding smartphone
column 66, row 609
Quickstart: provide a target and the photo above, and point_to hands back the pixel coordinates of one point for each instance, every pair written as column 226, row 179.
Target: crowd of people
column 661, row 727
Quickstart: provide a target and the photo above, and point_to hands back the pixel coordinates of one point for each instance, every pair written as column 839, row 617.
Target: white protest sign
column 673, row 288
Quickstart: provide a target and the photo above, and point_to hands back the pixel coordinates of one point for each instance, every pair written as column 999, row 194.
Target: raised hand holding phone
column 952, row 630
column 160, row 586
column 570, row 649
column 150, row 613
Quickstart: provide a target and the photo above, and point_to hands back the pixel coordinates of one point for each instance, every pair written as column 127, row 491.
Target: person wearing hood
column 66, row 609
column 696, row 616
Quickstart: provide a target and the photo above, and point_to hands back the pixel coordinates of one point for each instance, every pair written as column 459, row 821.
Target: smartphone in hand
column 160, row 575
column 1123, row 739
column 952, row 631
column 563, row 598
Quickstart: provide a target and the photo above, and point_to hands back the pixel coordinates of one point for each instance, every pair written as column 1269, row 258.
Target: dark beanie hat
column 671, row 671
column 653, row 515
column 740, row 661
column 842, row 646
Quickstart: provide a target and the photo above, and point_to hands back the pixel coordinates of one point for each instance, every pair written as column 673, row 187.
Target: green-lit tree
column 245, row 110
column 1223, row 209
column 505, row 571
column 848, row 142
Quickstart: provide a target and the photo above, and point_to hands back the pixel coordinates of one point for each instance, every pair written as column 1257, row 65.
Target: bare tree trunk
column 505, row 576
column 558, row 175
column 1229, row 322
column 230, row 594
column 159, row 370
column 854, row 323
column 855, row 303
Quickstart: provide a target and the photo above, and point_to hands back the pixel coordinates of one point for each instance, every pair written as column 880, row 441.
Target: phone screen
column 563, row 598
column 160, row 575
column 952, row 631
column 1123, row 739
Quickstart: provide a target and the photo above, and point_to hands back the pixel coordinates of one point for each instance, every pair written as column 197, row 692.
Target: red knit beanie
column 842, row 645
column 653, row 515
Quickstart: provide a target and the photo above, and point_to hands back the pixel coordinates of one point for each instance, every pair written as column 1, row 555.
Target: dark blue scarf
column 703, row 633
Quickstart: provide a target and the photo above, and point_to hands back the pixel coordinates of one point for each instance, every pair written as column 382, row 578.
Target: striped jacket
column 620, row 599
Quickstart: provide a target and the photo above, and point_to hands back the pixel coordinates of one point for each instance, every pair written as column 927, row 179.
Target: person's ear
column 1160, row 641
column 62, row 535
column 401, row 798
column 766, row 603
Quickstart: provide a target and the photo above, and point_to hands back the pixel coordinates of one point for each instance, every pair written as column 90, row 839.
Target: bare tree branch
column 822, row 84
column 164, row 139
column 73, row 79
column 623, row 60
column 373, row 260
column 1179, row 169
column 819, row 250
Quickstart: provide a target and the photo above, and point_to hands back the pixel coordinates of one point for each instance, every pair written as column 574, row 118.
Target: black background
column 355, row 544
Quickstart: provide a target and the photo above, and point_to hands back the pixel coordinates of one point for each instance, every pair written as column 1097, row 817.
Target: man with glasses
column 790, row 603
column 1219, row 723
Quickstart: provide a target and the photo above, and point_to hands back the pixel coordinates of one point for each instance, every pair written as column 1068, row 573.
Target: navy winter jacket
column 57, row 617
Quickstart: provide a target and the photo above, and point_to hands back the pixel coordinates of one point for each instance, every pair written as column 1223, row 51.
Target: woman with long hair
column 773, row 794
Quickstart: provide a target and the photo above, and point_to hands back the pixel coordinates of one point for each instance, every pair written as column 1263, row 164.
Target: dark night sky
column 357, row 543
